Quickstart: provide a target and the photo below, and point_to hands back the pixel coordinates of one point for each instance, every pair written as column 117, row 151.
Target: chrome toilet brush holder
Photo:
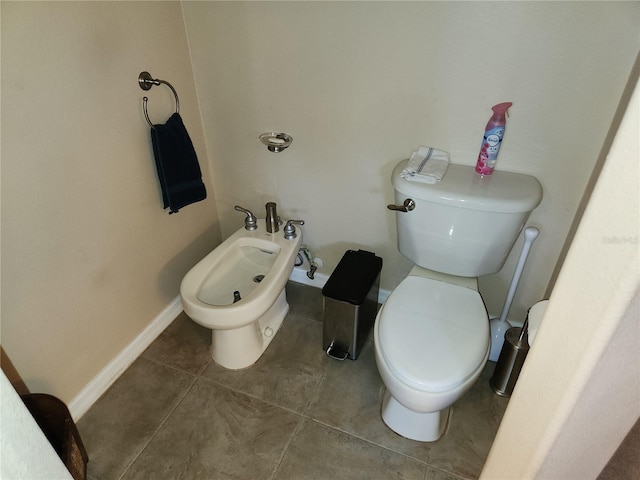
column 512, row 356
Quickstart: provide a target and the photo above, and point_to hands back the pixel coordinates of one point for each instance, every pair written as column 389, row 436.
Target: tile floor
column 294, row 415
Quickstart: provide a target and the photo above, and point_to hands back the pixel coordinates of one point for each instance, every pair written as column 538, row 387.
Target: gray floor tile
column 246, row 423
column 184, row 345
column 320, row 453
column 288, row 373
column 625, row 463
column 350, row 398
column 118, row 426
column 435, row 474
column 473, row 426
column 216, row 433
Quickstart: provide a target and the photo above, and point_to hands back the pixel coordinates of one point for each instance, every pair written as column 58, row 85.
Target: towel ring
column 146, row 81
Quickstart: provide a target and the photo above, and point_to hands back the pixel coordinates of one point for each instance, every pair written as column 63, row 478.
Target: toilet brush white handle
column 530, row 234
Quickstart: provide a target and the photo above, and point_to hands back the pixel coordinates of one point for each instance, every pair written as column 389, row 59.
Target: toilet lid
column 433, row 335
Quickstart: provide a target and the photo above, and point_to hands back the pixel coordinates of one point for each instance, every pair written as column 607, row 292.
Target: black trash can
column 54, row 419
column 350, row 300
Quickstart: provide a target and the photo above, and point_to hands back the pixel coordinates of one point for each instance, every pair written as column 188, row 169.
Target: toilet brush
column 499, row 326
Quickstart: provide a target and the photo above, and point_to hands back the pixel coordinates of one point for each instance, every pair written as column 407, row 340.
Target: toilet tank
column 466, row 224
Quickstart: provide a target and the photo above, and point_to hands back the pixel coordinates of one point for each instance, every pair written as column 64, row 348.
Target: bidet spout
column 272, row 220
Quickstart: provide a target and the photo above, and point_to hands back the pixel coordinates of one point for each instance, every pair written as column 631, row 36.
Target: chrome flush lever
column 407, row 206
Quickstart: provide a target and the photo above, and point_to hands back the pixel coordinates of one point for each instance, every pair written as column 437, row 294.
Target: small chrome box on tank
column 350, row 299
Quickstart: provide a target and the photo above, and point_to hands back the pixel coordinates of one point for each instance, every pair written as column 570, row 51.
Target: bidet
column 238, row 291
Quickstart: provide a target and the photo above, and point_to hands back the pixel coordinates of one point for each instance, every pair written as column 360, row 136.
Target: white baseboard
column 109, row 374
column 299, row 275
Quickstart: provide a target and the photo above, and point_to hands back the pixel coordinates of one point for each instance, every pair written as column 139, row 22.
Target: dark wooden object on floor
column 55, row 421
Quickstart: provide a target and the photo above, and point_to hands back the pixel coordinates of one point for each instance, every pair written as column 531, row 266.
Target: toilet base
column 423, row 427
column 241, row 347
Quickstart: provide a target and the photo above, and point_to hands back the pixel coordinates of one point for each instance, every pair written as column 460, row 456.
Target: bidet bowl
column 255, row 263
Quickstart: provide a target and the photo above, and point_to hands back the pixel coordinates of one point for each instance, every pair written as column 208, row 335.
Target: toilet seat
column 433, row 335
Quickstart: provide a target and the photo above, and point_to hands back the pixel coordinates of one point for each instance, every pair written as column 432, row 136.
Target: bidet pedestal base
column 423, row 427
column 241, row 347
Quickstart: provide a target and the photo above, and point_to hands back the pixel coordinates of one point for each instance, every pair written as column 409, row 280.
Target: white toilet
column 238, row 291
column 432, row 335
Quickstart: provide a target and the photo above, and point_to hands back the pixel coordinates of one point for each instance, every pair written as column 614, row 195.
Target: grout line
column 285, row 450
column 316, row 395
column 447, row 473
column 370, row 442
column 178, row 369
column 388, row 449
column 301, row 418
column 84, row 400
column 299, row 317
column 153, row 435
column 303, row 415
column 240, row 392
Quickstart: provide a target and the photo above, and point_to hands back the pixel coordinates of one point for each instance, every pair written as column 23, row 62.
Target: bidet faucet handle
column 290, row 230
column 250, row 223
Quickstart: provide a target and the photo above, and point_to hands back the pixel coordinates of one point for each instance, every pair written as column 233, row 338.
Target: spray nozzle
column 501, row 108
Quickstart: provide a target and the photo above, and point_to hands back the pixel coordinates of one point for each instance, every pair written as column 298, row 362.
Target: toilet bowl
column 256, row 264
column 432, row 341
column 432, row 335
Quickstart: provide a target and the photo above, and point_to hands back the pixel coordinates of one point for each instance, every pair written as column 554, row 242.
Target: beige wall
column 579, row 391
column 360, row 84
column 89, row 258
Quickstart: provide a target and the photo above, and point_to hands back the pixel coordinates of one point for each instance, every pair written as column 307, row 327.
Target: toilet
column 432, row 335
column 238, row 291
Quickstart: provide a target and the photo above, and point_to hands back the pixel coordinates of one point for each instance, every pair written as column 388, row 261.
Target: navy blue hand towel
column 177, row 164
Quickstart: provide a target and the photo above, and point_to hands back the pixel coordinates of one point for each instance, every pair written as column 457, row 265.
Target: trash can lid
column 353, row 277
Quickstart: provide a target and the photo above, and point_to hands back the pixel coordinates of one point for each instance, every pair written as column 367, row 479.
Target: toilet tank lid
column 462, row 187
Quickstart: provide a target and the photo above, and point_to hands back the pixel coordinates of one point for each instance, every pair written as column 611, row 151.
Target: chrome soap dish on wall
column 276, row 142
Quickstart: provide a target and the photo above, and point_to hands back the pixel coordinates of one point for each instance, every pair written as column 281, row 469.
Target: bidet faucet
column 250, row 222
column 290, row 230
column 273, row 220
